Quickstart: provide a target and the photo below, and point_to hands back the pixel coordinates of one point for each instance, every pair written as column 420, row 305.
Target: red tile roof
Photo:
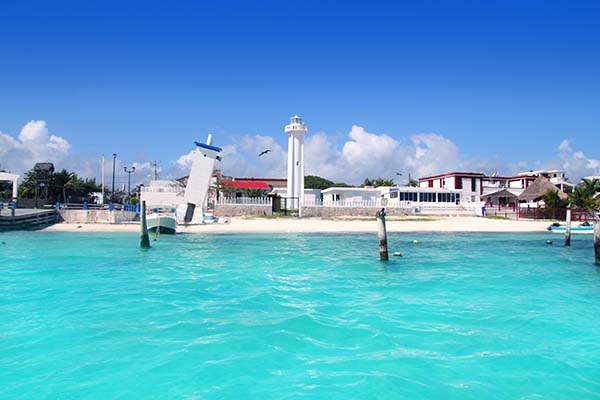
column 247, row 184
column 460, row 174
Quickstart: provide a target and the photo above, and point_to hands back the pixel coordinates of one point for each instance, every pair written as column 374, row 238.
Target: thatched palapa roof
column 538, row 188
column 502, row 193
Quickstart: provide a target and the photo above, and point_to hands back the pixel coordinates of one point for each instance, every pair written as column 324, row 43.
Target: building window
column 458, row 183
column 473, row 185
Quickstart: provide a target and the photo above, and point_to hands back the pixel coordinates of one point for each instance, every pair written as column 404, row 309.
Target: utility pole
column 112, row 194
column 155, row 163
column 102, row 200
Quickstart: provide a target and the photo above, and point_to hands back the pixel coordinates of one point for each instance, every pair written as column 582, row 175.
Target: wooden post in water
column 382, row 235
column 145, row 239
column 597, row 241
column 568, row 228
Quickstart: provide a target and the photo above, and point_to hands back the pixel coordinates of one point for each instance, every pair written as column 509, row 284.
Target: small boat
column 584, row 227
column 163, row 223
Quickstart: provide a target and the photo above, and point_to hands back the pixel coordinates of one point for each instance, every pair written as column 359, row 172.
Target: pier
column 26, row 218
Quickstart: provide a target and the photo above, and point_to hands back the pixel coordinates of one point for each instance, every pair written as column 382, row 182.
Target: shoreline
column 316, row 225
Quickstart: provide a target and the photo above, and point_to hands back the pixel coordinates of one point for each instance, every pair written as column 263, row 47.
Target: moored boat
column 161, row 223
column 584, row 227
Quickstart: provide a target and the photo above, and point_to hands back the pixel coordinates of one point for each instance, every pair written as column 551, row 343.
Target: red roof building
column 247, row 185
column 273, row 182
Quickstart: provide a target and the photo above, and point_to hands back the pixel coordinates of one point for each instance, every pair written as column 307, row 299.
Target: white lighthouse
column 295, row 173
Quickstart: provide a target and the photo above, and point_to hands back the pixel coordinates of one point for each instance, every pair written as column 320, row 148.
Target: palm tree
column 413, row 183
column 584, row 196
column 383, row 182
column 553, row 200
column 61, row 180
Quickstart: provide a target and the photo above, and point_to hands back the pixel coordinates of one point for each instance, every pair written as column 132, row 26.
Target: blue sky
column 502, row 83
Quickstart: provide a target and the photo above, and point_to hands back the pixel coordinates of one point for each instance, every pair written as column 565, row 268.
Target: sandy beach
column 293, row 225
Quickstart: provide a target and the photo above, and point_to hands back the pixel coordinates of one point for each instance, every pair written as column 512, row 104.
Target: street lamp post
column 129, row 172
column 398, row 174
column 112, row 194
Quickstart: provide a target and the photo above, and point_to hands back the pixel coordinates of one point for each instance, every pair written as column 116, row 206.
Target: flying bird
column 262, row 153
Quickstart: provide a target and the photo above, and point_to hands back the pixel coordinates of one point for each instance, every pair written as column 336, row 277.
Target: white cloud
column 241, row 159
column 185, row 161
column 564, row 146
column 374, row 155
column 575, row 162
column 34, row 144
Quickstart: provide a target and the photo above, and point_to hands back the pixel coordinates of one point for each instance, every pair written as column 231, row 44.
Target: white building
column 555, row 176
column 295, row 173
column 494, row 190
column 5, row 176
column 349, row 194
column 407, row 196
column 468, row 184
column 423, row 200
column 513, row 184
column 162, row 194
column 591, row 177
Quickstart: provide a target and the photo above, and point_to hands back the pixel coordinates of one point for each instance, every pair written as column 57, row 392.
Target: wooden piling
column 568, row 228
column 144, row 238
column 597, row 241
column 382, row 235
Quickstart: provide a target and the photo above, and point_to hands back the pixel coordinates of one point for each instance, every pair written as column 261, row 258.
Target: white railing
column 381, row 203
column 247, row 201
column 449, row 210
column 346, row 203
column 413, row 207
column 150, row 189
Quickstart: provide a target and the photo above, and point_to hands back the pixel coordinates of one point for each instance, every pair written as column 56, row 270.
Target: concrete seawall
column 97, row 216
column 242, row 210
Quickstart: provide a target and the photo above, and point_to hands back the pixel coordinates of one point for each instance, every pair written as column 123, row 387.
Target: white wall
column 167, row 199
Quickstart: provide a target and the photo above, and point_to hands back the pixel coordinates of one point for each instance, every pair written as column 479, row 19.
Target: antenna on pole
column 155, row 163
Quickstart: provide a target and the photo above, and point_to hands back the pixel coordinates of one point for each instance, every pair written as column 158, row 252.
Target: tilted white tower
column 199, row 180
column 295, row 173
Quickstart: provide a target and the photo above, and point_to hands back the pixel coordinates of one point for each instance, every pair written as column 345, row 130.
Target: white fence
column 244, row 201
column 375, row 203
column 407, row 207
column 161, row 189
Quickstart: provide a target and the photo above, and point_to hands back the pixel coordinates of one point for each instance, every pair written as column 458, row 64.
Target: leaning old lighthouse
column 295, row 173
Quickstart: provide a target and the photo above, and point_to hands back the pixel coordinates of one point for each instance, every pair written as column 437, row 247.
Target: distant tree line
column 316, row 182
column 62, row 186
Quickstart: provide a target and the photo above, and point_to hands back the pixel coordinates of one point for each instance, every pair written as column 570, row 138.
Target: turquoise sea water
column 298, row 316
